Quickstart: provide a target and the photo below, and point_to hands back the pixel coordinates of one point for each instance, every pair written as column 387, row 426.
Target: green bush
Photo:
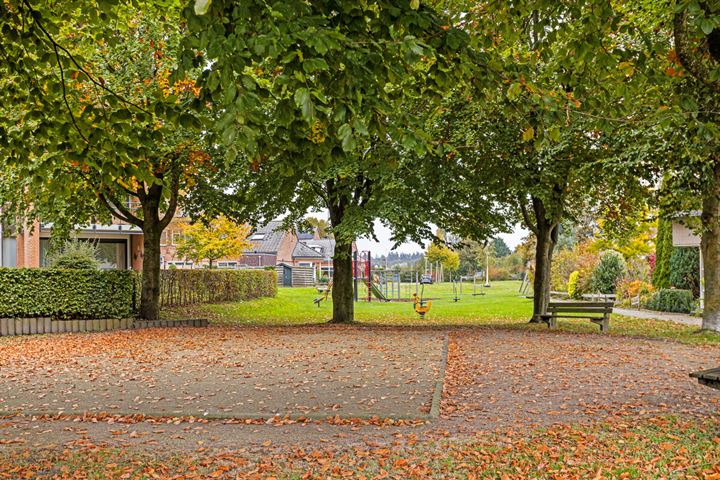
column 663, row 252
column 188, row 287
column 75, row 255
column 573, row 289
column 608, row 271
column 671, row 300
column 685, row 269
column 66, row 294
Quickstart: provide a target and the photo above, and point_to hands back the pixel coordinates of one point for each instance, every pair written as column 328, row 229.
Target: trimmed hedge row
column 671, row 300
column 188, row 287
column 66, row 294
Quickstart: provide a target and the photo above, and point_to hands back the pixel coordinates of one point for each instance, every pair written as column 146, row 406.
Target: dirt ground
column 494, row 379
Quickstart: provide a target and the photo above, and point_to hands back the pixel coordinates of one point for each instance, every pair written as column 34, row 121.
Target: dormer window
column 258, row 236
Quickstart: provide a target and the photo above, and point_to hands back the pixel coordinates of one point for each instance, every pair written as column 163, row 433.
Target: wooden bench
column 711, row 377
column 596, row 312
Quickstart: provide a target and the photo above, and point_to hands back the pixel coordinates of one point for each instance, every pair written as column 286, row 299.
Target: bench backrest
column 580, row 307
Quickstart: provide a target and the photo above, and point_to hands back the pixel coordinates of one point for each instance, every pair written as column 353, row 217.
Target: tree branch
column 64, row 95
column 172, row 206
column 56, row 46
column 526, row 216
column 119, row 211
column 684, row 52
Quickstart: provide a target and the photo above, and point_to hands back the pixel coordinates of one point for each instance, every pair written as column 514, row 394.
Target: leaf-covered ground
column 515, row 404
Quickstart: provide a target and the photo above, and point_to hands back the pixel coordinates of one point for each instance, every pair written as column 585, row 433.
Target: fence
column 189, row 287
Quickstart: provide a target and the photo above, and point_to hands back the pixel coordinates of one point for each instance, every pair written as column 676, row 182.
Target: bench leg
column 552, row 322
column 605, row 324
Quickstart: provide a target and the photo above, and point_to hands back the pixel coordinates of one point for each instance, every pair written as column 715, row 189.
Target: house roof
column 302, row 250
column 305, row 235
column 273, row 235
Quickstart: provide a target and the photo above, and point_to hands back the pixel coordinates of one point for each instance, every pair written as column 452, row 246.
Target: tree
column 92, row 123
column 696, row 40
column 539, row 142
column 313, row 109
column 663, row 253
column 443, row 255
column 322, row 226
column 500, row 248
column 609, row 270
column 218, row 239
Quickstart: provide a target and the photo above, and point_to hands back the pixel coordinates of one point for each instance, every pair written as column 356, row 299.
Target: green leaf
column 346, row 137
column 414, row 4
column 202, row 6
column 302, row 100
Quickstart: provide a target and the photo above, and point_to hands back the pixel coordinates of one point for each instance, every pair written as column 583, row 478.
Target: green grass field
column 501, row 306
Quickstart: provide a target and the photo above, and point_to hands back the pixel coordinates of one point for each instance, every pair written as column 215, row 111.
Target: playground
column 502, row 306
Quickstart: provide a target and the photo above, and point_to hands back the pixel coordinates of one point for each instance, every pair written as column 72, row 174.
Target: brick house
column 121, row 246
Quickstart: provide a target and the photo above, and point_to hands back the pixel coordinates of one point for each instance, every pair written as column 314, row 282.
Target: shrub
column 685, row 269
column 66, row 294
column 75, row 254
column 632, row 289
column 573, row 289
column 499, row 273
column 606, row 274
column 671, row 300
column 663, row 252
column 188, row 287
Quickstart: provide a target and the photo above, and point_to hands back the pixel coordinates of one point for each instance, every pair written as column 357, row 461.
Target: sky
column 384, row 245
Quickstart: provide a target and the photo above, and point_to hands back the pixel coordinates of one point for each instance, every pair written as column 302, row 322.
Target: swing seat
column 421, row 306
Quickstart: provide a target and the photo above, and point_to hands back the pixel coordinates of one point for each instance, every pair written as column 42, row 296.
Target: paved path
column 224, row 372
column 670, row 317
column 495, row 378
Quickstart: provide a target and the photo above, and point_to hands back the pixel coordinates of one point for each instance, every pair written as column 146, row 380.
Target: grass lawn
column 501, row 306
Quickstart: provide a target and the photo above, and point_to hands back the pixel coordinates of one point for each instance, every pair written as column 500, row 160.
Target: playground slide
column 376, row 291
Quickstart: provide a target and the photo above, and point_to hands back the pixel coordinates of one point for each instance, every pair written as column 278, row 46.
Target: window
column 178, row 264
column 227, row 265
column 317, row 248
column 176, row 238
column 112, row 253
column 258, row 236
column 164, row 238
column 305, row 264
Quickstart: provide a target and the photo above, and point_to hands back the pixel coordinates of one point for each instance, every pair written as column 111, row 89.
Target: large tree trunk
column 342, row 288
column 150, row 291
column 711, row 254
column 546, row 237
column 152, row 230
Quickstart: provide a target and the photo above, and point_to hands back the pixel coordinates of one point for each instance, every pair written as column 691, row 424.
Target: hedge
column 66, row 294
column 671, row 300
column 188, row 287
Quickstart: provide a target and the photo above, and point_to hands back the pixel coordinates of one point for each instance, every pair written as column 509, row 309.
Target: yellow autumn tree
column 444, row 255
column 221, row 238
